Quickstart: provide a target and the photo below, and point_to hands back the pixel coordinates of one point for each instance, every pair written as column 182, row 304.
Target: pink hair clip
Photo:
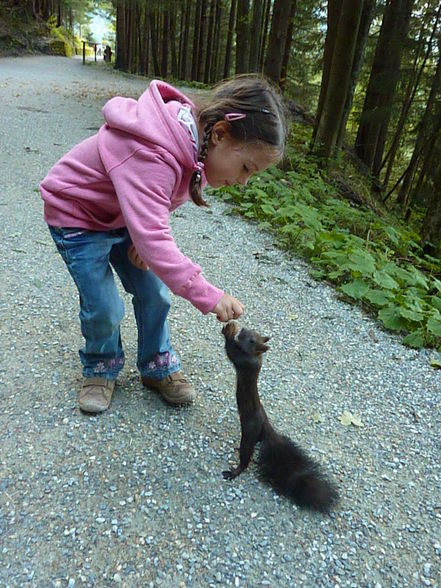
column 198, row 166
column 232, row 116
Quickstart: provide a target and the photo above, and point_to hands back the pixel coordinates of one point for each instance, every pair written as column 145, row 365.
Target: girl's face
column 229, row 162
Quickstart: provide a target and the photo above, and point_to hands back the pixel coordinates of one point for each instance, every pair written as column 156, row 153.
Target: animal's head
column 252, row 343
column 249, row 346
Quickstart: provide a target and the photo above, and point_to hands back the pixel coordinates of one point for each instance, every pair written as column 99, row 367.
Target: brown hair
column 263, row 119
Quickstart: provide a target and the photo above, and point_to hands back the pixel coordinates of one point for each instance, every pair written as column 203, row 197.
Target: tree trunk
column 202, row 35
column 331, row 118
column 121, row 42
column 255, row 35
column 242, row 36
column 184, row 47
column 429, row 164
column 367, row 14
column 173, row 54
column 209, row 51
column 133, row 43
column 431, row 229
column 196, row 40
column 264, row 35
column 216, row 66
column 228, row 48
column 154, row 40
column 146, row 44
column 140, row 36
column 411, row 91
column 126, row 35
column 277, row 40
column 165, row 35
column 287, row 51
column 333, row 15
column 431, row 153
column 423, row 134
column 380, row 94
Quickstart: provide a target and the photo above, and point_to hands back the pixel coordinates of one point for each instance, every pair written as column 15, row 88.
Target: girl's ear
column 220, row 131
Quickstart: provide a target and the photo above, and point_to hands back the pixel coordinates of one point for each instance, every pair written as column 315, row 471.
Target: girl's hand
column 228, row 308
column 135, row 259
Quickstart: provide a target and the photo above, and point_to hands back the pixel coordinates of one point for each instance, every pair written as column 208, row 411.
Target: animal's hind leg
column 250, row 435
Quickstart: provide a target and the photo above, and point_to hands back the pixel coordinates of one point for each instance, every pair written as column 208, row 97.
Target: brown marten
column 281, row 462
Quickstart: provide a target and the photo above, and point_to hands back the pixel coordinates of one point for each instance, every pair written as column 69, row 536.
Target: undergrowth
column 62, row 41
column 373, row 259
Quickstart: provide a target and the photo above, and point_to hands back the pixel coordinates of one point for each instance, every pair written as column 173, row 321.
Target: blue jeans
column 90, row 256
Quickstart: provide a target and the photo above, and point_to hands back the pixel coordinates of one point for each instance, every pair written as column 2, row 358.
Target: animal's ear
column 265, row 339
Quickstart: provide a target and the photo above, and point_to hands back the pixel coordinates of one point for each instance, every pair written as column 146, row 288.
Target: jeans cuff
column 108, row 368
column 161, row 366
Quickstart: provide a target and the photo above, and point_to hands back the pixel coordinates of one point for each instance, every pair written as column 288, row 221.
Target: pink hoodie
column 132, row 174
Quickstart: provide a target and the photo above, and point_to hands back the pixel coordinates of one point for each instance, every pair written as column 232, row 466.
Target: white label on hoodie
column 185, row 117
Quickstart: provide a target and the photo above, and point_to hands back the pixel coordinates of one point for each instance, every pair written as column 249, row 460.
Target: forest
column 368, row 70
column 362, row 82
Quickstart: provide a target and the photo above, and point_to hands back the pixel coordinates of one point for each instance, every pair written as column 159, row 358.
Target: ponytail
column 196, row 178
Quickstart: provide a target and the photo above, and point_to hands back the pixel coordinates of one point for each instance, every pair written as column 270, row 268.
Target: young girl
column 107, row 203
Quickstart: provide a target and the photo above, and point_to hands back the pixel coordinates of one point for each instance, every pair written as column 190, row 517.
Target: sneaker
column 95, row 394
column 174, row 388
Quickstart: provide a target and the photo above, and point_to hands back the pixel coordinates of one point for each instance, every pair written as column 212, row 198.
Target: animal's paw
column 231, row 474
column 228, row 475
column 230, row 330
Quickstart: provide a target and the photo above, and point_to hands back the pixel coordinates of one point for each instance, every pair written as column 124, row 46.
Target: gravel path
column 135, row 497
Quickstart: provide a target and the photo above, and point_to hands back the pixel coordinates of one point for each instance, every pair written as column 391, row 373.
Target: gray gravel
column 135, row 497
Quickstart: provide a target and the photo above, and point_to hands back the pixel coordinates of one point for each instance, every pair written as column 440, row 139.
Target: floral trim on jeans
column 109, row 365
column 163, row 360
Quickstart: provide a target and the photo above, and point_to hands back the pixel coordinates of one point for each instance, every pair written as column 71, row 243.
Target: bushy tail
column 293, row 474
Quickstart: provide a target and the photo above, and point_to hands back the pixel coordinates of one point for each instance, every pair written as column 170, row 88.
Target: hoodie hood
column 150, row 120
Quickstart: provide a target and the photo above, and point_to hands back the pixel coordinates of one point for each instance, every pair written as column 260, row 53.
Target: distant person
column 108, row 54
column 107, row 203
